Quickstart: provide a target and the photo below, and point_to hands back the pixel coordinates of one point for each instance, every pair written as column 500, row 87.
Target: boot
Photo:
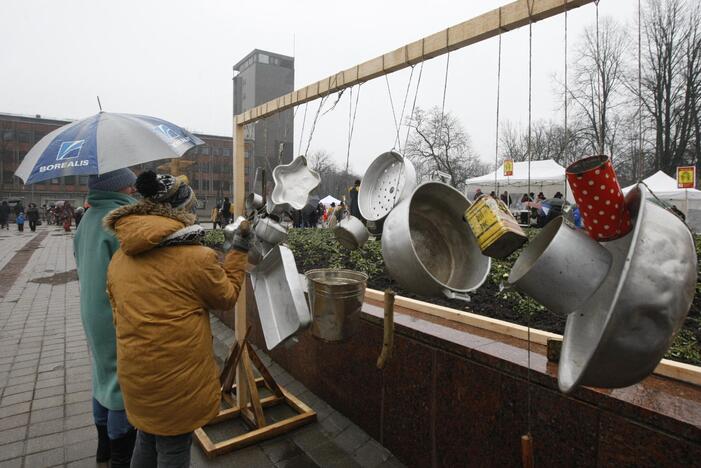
column 122, row 449
column 103, row 444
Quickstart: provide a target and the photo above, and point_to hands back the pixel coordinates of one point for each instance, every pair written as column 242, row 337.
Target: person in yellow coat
column 161, row 283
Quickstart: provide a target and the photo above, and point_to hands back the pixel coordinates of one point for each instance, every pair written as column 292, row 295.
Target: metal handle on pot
column 456, row 295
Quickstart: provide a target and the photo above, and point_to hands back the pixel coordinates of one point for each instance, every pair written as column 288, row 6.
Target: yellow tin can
column 497, row 231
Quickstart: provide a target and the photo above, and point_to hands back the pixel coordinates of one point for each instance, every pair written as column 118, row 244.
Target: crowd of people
column 59, row 215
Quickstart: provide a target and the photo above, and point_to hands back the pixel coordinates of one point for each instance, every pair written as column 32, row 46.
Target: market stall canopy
column 546, row 176
column 686, row 200
column 327, row 200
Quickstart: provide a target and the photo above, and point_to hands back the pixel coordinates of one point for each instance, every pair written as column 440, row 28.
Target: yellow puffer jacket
column 160, row 297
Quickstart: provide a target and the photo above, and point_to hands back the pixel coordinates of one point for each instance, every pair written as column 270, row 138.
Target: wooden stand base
column 252, row 413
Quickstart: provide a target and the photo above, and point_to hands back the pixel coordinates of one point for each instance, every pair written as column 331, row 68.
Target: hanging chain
column 304, row 122
column 496, row 144
column 413, row 106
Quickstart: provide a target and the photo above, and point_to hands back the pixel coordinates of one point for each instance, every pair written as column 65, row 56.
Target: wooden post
column 240, row 326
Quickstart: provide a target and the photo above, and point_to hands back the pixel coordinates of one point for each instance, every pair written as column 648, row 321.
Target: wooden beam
column 675, row 370
column 511, row 16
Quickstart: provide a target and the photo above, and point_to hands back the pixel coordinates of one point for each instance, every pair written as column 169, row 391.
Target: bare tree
column 438, row 142
column 334, row 181
column 548, row 141
column 597, row 87
column 671, row 82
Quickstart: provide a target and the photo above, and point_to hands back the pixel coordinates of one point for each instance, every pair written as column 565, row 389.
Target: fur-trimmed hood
column 142, row 226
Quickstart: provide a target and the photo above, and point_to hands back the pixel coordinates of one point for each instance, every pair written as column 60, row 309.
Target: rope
column 413, row 106
column 567, row 136
column 496, row 145
column 304, row 121
column 641, row 160
column 351, row 123
column 445, row 89
column 316, row 118
column 391, row 103
column 599, row 70
column 401, row 116
column 530, row 114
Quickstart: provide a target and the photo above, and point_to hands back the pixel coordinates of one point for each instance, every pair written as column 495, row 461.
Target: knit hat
column 112, row 181
column 164, row 188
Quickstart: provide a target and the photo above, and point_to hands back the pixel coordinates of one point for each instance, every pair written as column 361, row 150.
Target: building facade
column 259, row 77
column 210, row 173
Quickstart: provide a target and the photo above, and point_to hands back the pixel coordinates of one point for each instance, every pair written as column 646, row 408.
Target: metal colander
column 388, row 180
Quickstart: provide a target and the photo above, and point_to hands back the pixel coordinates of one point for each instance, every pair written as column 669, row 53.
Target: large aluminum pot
column 561, row 268
column 335, row 299
column 389, row 179
column 351, row 233
column 428, row 248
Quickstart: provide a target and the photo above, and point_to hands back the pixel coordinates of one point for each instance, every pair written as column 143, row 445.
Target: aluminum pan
column 293, row 183
column 282, row 307
column 621, row 333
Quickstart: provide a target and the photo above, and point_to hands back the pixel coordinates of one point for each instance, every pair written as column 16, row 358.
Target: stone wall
column 455, row 396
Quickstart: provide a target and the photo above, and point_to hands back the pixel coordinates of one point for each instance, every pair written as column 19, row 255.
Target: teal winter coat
column 93, row 247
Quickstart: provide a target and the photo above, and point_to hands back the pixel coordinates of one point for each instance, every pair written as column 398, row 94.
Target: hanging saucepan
column 351, row 233
column 389, row 179
column 428, row 248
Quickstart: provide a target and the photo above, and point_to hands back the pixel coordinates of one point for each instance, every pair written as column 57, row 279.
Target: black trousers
column 33, row 225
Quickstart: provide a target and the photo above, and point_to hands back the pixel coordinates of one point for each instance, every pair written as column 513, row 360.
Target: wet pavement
column 45, row 376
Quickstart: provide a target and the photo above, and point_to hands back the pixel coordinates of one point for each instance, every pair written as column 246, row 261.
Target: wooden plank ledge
column 672, row 369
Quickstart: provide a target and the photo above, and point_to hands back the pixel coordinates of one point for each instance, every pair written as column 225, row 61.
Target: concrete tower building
column 259, row 77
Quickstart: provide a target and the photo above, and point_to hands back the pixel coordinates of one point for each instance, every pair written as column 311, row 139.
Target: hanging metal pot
column 428, row 248
column 351, row 233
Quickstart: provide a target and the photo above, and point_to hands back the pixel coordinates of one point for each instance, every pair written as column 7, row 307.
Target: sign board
column 686, row 177
column 508, row 167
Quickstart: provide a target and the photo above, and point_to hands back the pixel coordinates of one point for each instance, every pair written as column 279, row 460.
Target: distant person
column 20, row 221
column 478, row 193
column 541, row 196
column 19, row 208
column 354, row 207
column 493, row 194
column 329, row 213
column 558, row 195
column 33, row 216
column 94, row 247
column 67, row 214
column 214, row 216
column 78, row 216
column 226, row 212
column 4, row 215
column 506, row 198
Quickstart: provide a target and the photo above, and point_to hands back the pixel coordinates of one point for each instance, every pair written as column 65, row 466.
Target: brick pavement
column 45, row 381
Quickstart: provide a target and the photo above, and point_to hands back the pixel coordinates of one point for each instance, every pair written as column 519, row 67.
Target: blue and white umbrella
column 103, row 143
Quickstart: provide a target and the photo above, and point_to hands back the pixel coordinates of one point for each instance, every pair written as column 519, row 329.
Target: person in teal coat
column 93, row 247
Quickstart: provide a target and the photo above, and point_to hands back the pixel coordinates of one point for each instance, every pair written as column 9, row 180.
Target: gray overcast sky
column 173, row 59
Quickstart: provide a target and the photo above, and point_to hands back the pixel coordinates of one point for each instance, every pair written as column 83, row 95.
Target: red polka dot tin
column 599, row 197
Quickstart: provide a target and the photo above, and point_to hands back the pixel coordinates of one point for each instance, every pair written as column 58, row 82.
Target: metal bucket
column 335, row 299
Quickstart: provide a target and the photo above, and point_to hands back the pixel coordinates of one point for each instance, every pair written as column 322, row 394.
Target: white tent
column 327, row 200
column 688, row 201
column 545, row 176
